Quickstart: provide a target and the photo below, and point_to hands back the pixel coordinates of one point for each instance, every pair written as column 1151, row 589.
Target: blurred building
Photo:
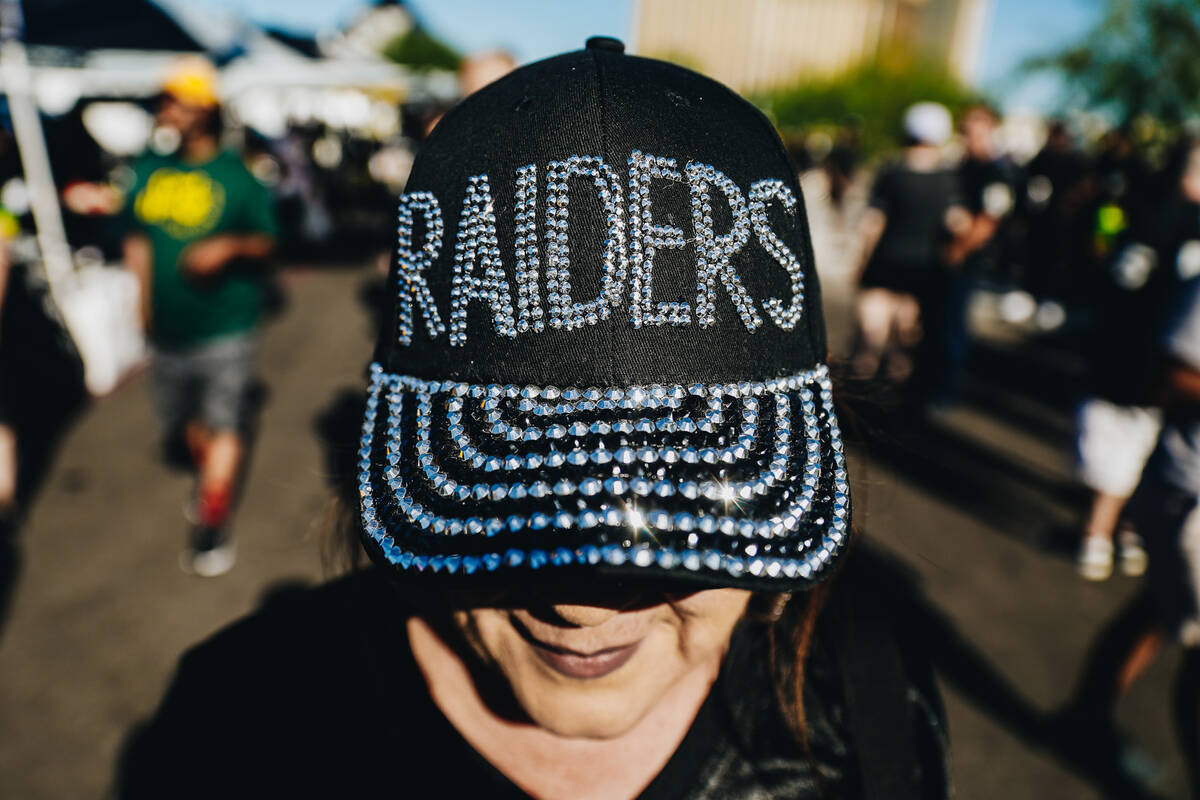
column 753, row 45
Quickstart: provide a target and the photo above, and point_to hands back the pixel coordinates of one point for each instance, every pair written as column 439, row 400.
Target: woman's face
column 593, row 666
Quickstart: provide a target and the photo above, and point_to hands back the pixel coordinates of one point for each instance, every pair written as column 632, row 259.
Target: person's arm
column 212, row 254
column 1181, row 386
column 137, row 257
column 5, row 269
column 996, row 203
column 254, row 238
column 92, row 198
column 870, row 229
column 974, row 235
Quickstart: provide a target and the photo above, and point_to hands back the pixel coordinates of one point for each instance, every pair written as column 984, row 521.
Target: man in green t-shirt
column 199, row 227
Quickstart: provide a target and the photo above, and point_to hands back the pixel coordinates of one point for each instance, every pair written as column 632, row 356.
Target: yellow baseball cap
column 192, row 80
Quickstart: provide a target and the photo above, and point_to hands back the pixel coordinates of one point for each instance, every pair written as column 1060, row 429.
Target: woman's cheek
column 708, row 619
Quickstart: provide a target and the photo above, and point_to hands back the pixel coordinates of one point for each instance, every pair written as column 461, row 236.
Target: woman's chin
column 574, row 727
column 582, row 713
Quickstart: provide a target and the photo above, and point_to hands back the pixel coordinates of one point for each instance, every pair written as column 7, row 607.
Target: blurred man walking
column 199, row 227
column 987, row 181
column 914, row 211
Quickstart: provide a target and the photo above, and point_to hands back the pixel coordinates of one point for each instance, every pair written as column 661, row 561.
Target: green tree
column 422, row 51
column 876, row 93
column 1141, row 58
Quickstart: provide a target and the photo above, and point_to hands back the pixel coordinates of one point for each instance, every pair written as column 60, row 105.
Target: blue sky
column 1023, row 28
column 533, row 29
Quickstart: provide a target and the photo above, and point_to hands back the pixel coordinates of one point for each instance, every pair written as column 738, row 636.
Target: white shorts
column 1112, row 444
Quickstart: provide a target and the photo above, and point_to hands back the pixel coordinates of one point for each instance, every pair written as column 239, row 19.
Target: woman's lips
column 585, row 666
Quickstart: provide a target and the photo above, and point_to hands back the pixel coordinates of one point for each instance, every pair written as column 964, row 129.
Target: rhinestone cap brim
column 727, row 483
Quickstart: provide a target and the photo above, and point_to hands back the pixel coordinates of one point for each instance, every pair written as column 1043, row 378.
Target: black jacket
column 317, row 695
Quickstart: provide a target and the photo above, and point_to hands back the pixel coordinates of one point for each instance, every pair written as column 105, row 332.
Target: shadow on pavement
column 1081, row 736
column 1004, row 493
column 1011, row 494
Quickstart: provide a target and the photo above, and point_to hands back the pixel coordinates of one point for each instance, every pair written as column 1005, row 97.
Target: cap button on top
column 605, row 43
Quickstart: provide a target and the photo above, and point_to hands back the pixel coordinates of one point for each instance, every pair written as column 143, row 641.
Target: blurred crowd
column 1093, row 253
column 1084, row 250
column 1090, row 248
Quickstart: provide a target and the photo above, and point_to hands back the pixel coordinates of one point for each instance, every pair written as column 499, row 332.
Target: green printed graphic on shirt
column 176, row 204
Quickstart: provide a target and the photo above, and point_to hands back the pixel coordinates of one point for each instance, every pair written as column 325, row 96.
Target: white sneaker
column 214, row 562
column 1133, row 555
column 210, row 552
column 1095, row 561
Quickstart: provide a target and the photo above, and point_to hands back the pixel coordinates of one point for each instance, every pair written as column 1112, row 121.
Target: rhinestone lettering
column 762, row 193
column 476, row 240
column 645, row 238
column 413, row 263
column 529, row 298
column 565, row 312
column 713, row 252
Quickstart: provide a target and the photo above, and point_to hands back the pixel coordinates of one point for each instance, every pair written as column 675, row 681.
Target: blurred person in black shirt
column 8, row 436
column 10, row 226
column 987, row 182
column 913, row 208
column 1055, row 192
column 41, row 375
column 1117, row 423
column 1122, row 190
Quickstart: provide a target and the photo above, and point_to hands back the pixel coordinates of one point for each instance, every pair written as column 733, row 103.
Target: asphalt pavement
column 980, row 504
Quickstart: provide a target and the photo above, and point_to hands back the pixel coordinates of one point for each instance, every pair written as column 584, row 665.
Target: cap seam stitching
column 613, row 321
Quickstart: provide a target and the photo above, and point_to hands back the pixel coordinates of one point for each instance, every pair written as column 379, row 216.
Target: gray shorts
column 209, row 383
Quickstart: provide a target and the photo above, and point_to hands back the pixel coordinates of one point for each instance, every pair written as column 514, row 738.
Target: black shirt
column 915, row 204
column 317, row 694
column 1051, row 201
column 988, row 187
column 1151, row 265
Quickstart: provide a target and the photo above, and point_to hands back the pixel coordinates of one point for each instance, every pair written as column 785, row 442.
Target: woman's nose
column 584, row 616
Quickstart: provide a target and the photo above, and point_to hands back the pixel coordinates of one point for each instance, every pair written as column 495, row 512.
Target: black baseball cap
column 604, row 351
